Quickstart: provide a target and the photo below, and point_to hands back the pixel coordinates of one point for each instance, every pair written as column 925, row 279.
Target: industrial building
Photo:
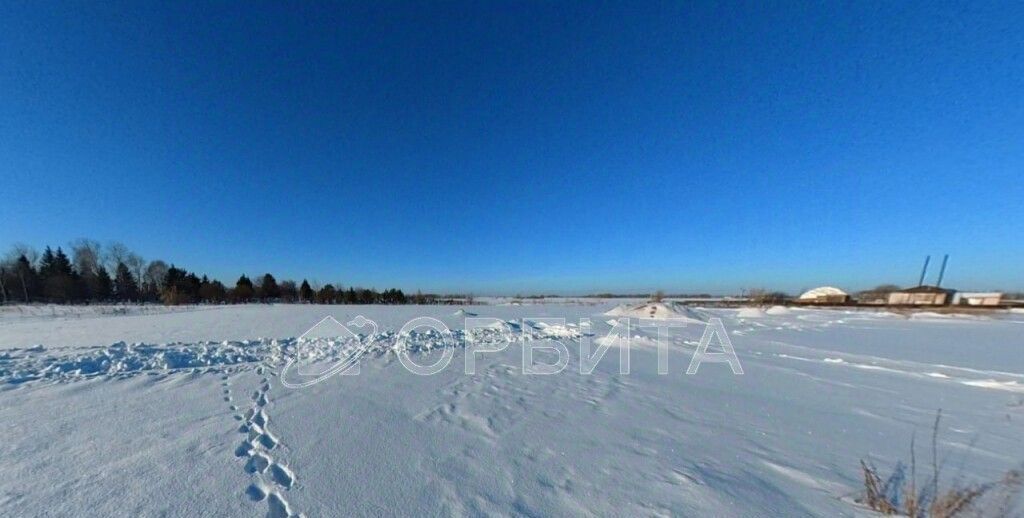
column 965, row 298
column 921, row 296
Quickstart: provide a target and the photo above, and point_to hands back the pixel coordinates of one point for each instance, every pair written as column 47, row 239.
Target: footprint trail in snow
column 270, row 478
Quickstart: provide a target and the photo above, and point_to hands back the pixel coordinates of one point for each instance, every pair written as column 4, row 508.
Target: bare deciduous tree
column 19, row 250
column 156, row 272
column 136, row 265
column 117, row 252
column 86, row 255
column 3, row 285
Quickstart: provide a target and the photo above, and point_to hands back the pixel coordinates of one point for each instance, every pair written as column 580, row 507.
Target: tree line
column 96, row 274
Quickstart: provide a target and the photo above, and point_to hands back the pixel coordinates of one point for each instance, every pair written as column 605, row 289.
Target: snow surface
column 181, row 412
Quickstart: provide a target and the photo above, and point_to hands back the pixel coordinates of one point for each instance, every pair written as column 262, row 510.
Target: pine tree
column 220, row 292
column 62, row 264
column 211, row 291
column 104, row 287
column 243, row 289
column 46, row 263
column 180, row 286
column 327, row 294
column 305, row 292
column 125, row 287
column 269, row 289
column 57, row 276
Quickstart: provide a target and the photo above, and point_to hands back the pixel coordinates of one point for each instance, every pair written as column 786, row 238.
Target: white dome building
column 824, row 295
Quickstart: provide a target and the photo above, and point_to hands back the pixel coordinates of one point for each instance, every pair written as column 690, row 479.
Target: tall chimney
column 942, row 271
column 924, row 270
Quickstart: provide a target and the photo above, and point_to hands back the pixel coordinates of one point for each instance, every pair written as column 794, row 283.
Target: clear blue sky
column 523, row 147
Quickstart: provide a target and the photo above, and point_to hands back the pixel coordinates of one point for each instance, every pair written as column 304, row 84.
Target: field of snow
column 182, row 412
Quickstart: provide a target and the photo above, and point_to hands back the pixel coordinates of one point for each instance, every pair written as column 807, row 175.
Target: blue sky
column 523, row 147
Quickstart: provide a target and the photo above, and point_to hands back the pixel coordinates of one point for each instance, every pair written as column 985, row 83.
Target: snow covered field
column 181, row 412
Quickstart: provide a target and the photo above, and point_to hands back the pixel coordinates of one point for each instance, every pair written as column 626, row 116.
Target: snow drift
column 656, row 311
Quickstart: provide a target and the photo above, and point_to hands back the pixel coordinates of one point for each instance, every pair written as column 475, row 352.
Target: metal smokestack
column 942, row 270
column 924, row 270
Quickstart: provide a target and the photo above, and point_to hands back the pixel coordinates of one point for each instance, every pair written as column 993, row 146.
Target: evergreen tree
column 327, row 295
column 243, row 289
column 62, row 264
column 57, row 276
column 180, row 286
column 125, row 287
column 269, row 289
column 220, row 292
column 366, row 296
column 84, row 278
column 305, row 292
column 211, row 291
column 190, row 286
column 104, row 287
column 46, row 263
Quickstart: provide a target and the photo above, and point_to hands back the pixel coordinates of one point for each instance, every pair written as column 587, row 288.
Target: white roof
column 823, row 291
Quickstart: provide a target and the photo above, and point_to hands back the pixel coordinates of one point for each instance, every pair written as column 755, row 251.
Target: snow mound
column 777, row 310
column 750, row 313
column 126, row 360
column 656, row 311
column 546, row 330
column 463, row 313
column 121, row 359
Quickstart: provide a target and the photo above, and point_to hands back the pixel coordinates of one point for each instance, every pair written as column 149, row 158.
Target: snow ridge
column 122, row 360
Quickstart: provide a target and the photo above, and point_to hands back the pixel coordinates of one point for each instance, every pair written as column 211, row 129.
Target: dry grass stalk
column 900, row 496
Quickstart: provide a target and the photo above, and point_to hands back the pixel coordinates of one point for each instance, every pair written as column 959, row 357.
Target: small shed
column 966, row 298
column 824, row 295
column 921, row 296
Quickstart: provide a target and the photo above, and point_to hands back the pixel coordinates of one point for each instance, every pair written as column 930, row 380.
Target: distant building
column 873, row 298
column 966, row 298
column 921, row 296
column 824, row 295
